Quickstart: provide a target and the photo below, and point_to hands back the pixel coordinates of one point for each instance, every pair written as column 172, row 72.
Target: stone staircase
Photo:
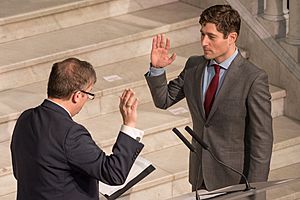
column 115, row 36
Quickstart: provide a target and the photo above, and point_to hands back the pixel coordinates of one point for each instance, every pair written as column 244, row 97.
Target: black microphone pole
column 206, row 147
column 193, row 149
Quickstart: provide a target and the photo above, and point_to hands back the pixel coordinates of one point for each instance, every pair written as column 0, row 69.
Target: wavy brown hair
column 226, row 19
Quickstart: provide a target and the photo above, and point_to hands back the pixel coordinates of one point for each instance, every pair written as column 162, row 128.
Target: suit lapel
column 199, row 75
column 230, row 78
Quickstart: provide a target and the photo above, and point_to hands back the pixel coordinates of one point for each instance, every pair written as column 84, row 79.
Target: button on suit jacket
column 56, row 158
column 238, row 128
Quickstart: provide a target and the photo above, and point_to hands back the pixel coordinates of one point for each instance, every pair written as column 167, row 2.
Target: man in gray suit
column 228, row 98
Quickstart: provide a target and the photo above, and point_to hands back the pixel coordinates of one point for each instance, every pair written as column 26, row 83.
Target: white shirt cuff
column 132, row 132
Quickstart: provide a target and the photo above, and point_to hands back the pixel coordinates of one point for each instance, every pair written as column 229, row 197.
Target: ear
column 75, row 96
column 232, row 37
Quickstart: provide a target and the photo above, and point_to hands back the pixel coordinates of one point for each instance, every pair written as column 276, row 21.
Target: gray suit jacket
column 238, row 128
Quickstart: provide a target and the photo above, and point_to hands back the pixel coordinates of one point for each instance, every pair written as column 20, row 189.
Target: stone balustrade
column 281, row 18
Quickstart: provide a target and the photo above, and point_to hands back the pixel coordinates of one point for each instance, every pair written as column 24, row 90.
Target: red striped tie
column 211, row 91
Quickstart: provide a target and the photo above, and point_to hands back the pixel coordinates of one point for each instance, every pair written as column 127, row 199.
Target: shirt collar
column 226, row 63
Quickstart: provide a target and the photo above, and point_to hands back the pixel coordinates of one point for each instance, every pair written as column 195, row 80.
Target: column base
column 291, row 48
column 276, row 27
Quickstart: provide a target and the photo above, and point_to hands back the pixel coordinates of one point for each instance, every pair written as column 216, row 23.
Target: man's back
column 38, row 146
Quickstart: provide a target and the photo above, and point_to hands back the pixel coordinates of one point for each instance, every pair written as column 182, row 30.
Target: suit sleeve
column 165, row 95
column 259, row 133
column 86, row 157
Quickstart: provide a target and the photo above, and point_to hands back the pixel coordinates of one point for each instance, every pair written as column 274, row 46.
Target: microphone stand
column 206, row 147
column 192, row 149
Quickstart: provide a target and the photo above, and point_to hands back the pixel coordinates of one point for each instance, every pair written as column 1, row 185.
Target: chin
column 208, row 57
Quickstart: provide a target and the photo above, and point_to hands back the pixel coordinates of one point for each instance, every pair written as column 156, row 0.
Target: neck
column 66, row 104
column 224, row 57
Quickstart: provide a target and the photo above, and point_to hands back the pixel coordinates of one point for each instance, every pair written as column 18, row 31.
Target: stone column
column 274, row 10
column 274, row 18
column 293, row 36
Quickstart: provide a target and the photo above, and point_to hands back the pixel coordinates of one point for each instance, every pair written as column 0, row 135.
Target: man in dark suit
column 56, row 158
column 228, row 98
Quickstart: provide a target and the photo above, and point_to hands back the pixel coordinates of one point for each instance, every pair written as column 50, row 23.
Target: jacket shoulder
column 195, row 61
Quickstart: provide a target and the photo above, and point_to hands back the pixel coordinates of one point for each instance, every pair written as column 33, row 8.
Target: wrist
column 130, row 124
column 151, row 65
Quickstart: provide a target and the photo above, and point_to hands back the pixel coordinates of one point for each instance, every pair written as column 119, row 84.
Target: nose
column 204, row 40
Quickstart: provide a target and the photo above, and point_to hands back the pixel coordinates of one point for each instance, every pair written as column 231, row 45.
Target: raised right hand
column 128, row 107
column 159, row 52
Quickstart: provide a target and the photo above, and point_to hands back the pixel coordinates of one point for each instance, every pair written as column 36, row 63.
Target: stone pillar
column 255, row 7
column 293, row 36
column 292, row 41
column 274, row 18
column 274, row 10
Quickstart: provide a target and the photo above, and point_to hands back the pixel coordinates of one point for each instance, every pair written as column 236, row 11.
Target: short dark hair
column 226, row 19
column 69, row 76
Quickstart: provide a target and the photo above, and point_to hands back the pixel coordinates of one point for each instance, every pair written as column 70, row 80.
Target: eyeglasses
column 90, row 95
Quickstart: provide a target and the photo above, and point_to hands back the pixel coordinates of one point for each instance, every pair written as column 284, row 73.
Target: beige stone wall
column 279, row 74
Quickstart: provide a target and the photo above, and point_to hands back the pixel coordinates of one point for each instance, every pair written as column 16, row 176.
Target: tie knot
column 217, row 68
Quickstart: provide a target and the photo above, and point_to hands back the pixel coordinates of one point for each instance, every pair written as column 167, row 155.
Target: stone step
column 285, row 192
column 107, row 90
column 101, row 42
column 286, row 148
column 105, row 103
column 157, row 125
column 29, row 19
column 169, row 156
column 170, row 178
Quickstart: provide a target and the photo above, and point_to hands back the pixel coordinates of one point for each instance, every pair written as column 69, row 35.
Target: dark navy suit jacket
column 56, row 158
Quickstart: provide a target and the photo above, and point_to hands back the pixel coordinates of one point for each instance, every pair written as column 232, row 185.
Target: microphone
column 206, row 147
column 184, row 140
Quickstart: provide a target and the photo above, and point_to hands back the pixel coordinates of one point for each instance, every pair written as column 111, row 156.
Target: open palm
column 160, row 50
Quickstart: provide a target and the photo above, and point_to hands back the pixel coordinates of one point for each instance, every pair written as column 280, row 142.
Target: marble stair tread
column 5, row 160
column 8, row 186
column 162, row 175
column 171, row 164
column 105, row 128
column 286, row 132
column 286, row 149
column 8, row 9
column 129, row 73
column 285, row 192
column 104, row 32
column 163, row 120
column 32, row 18
column 14, row 101
column 175, row 161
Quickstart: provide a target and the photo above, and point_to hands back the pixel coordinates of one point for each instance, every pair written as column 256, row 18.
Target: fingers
column 168, row 44
column 135, row 104
column 172, row 58
column 154, row 42
column 127, row 99
column 128, row 107
column 159, row 40
column 162, row 41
